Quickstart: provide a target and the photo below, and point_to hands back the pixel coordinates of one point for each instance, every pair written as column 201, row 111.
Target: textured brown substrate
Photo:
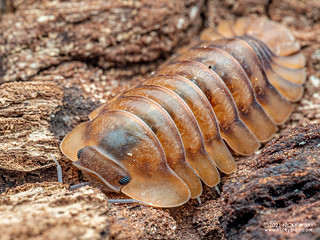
column 271, row 193
column 55, row 67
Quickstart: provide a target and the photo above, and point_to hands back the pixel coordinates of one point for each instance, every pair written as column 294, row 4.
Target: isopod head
column 102, row 170
column 119, row 150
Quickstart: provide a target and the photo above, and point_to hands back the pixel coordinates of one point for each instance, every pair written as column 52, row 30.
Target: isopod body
column 159, row 141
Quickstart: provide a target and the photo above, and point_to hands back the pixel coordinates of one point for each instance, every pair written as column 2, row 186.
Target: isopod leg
column 79, row 185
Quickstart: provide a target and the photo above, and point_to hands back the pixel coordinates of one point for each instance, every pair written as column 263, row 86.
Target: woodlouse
column 156, row 141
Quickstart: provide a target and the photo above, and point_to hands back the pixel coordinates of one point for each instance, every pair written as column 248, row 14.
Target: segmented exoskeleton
column 156, row 141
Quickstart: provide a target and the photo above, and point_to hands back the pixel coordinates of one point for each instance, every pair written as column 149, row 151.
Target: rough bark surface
column 59, row 60
column 51, row 211
column 103, row 33
column 273, row 193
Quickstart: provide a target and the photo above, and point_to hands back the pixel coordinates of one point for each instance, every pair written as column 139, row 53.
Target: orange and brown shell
column 158, row 142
